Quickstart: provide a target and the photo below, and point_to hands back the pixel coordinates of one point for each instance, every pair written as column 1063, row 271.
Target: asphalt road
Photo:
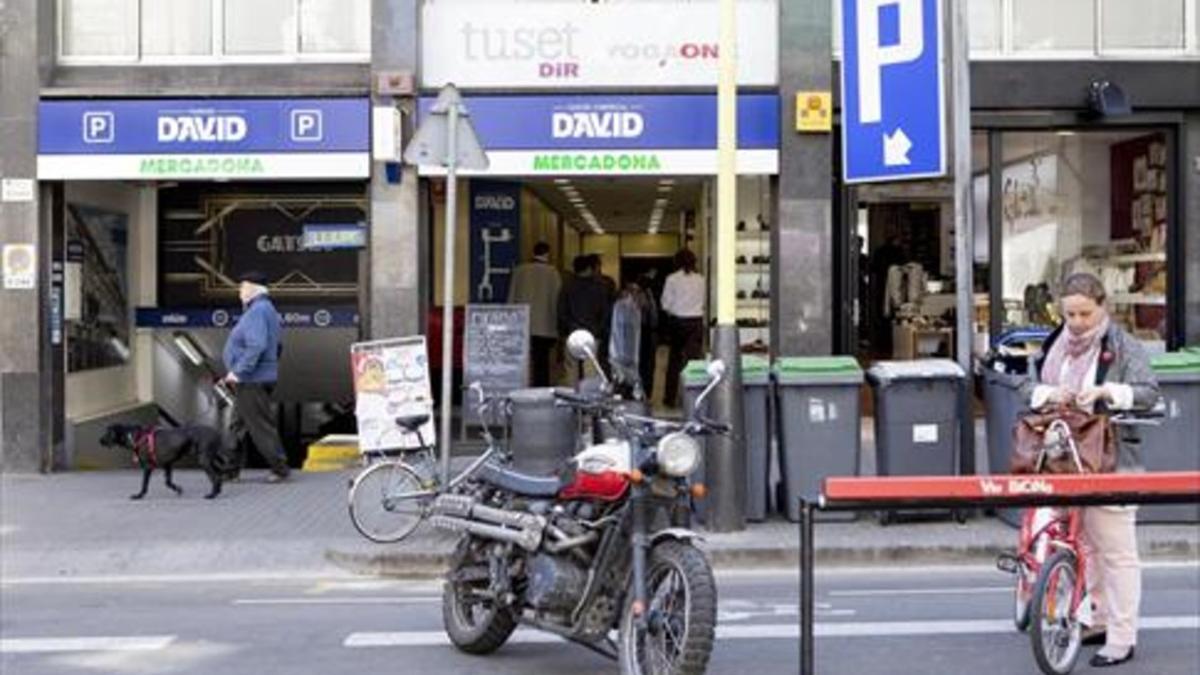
column 930, row 621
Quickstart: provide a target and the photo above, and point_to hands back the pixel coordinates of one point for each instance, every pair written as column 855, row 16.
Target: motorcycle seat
column 521, row 483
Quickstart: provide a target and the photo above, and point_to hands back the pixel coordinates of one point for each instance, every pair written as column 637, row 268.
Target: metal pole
column 964, row 231
column 728, row 477
column 727, row 167
column 448, row 288
column 806, row 588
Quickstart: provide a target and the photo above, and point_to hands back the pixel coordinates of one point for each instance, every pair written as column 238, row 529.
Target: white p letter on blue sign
column 873, row 56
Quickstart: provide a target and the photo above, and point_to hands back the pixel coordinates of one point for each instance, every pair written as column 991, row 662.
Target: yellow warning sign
column 814, row 111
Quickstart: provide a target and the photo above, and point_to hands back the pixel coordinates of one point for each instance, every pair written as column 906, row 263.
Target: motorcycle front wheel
column 681, row 612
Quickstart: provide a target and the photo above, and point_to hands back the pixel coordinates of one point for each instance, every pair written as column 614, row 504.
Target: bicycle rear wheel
column 387, row 501
column 1055, row 630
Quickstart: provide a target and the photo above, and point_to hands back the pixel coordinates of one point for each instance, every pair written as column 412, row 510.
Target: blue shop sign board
column 226, row 317
column 204, row 138
column 893, row 98
column 495, row 218
column 618, row 134
column 683, row 121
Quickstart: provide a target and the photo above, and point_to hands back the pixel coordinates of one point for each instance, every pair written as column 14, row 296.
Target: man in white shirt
column 537, row 283
column 683, row 303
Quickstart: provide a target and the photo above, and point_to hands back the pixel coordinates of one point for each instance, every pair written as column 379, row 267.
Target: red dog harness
column 147, row 438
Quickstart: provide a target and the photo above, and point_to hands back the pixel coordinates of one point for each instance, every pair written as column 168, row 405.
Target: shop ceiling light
column 666, row 181
column 562, row 181
column 664, row 188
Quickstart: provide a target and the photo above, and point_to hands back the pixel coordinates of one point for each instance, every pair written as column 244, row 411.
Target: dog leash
column 147, row 437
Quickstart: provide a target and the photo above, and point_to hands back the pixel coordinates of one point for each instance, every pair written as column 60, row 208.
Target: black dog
column 153, row 447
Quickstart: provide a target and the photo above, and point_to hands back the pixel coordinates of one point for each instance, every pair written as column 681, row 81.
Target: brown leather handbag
column 1064, row 440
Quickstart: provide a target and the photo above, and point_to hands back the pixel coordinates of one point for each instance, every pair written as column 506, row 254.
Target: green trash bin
column 756, row 383
column 1172, row 445
column 819, row 417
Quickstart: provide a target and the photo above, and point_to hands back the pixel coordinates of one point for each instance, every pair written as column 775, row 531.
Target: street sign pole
column 448, row 288
column 727, row 512
column 964, row 230
column 447, row 139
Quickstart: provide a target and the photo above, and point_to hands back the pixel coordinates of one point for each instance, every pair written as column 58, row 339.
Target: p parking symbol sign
column 98, row 127
column 893, row 125
column 306, row 126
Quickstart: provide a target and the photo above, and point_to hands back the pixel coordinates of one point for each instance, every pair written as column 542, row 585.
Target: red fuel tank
column 607, row 486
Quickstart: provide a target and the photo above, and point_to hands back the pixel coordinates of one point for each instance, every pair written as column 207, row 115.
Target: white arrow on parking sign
column 895, row 148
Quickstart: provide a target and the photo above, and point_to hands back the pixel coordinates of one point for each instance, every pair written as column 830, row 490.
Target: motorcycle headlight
column 678, row 454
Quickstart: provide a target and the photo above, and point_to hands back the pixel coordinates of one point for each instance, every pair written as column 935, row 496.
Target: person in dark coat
column 586, row 302
column 252, row 360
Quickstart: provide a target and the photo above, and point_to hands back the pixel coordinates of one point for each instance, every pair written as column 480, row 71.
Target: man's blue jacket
column 252, row 351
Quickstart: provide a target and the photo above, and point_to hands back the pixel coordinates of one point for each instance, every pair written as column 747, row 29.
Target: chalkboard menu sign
column 496, row 350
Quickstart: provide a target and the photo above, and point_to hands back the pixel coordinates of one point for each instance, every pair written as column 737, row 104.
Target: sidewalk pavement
column 83, row 524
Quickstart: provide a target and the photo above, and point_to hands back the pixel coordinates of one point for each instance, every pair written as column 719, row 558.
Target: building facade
column 1060, row 183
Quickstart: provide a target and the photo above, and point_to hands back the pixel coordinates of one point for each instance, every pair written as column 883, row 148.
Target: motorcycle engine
column 555, row 583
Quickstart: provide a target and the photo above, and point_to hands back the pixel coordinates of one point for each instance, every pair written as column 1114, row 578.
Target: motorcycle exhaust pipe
column 460, row 506
column 527, row 539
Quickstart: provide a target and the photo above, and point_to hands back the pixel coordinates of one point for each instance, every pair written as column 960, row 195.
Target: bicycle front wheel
column 1055, row 630
column 387, row 501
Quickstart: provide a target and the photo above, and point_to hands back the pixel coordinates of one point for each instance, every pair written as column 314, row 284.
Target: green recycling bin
column 819, row 417
column 756, row 383
column 1172, row 445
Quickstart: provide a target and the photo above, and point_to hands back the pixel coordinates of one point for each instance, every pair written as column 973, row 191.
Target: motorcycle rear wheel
column 682, row 615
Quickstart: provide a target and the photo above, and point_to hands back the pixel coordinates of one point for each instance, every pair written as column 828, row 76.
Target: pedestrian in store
column 683, row 304
column 538, row 284
column 586, row 303
column 648, row 355
column 1091, row 363
column 624, row 345
column 252, row 360
column 598, row 266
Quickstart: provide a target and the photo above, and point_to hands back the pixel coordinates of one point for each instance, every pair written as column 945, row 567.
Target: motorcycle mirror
column 716, row 369
column 582, row 345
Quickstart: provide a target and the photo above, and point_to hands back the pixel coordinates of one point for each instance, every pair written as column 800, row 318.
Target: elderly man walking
column 252, row 360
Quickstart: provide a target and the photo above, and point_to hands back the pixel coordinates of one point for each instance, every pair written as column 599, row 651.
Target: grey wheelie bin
column 819, row 418
column 542, row 434
column 1172, row 445
column 916, row 420
column 1002, row 397
column 756, row 383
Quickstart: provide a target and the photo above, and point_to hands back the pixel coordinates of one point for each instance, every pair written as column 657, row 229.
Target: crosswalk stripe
column 144, row 643
column 785, row 631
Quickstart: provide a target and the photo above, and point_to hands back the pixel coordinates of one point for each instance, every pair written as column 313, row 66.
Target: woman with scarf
column 1091, row 363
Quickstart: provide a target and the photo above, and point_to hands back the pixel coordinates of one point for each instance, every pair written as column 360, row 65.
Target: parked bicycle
column 390, row 498
column 1050, row 598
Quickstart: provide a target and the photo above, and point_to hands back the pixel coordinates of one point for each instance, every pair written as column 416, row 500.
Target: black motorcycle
column 599, row 555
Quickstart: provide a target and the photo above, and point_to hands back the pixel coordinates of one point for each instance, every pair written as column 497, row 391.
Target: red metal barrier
column 848, row 494
column 1006, row 487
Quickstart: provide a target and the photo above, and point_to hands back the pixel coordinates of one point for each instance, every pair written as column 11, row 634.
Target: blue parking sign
column 893, row 99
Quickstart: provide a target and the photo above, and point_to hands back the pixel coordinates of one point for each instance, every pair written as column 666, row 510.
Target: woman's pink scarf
column 1079, row 352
